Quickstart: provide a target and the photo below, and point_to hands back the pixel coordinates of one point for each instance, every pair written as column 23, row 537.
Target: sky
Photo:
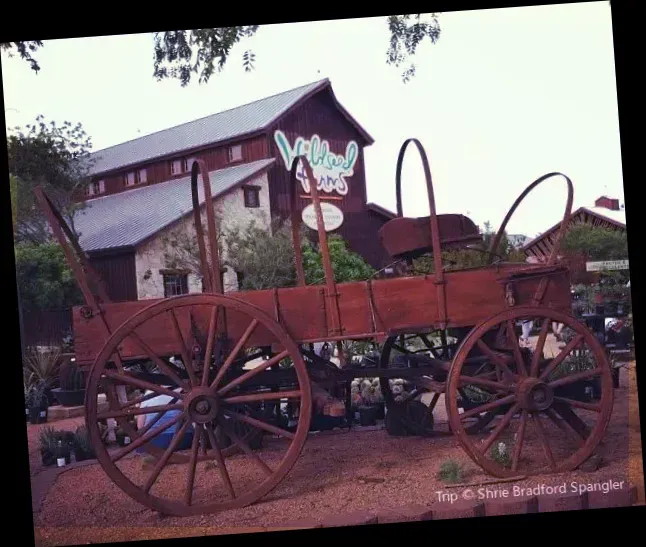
column 504, row 97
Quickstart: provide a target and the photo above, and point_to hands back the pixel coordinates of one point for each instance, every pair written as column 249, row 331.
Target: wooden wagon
column 230, row 364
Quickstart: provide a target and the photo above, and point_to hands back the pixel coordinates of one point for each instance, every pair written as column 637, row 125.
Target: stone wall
column 231, row 212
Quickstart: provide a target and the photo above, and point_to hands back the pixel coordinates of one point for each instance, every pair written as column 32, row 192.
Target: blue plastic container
column 164, row 439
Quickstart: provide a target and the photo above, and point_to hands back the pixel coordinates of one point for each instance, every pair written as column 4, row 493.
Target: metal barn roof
column 128, row 218
column 242, row 120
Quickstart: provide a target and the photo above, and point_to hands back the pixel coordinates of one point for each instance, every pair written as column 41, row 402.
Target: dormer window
column 235, row 153
column 142, row 176
column 94, row 188
column 129, row 178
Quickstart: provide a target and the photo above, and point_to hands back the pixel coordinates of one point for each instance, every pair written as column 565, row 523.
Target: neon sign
column 330, row 169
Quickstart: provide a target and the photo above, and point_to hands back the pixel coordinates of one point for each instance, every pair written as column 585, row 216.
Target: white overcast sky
column 505, row 96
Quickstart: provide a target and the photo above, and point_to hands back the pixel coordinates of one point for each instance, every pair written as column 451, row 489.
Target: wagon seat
column 408, row 238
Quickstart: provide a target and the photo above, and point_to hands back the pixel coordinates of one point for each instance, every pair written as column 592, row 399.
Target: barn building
column 140, row 194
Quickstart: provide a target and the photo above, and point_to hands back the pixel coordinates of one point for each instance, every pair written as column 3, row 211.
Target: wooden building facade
column 250, row 148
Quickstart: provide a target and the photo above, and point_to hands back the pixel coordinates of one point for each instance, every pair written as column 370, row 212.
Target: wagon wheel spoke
column 488, row 406
column 511, row 336
column 150, row 424
column 186, row 359
column 222, row 468
column 247, row 449
column 139, row 411
column 234, row 353
column 128, row 379
column 579, row 404
column 145, row 438
column 573, row 378
column 540, row 345
column 576, row 341
column 434, row 400
column 520, row 438
column 259, row 424
column 161, row 463
column 253, row 372
column 138, row 400
column 192, row 465
column 562, row 424
column 481, row 382
column 258, row 397
column 572, row 419
column 496, row 358
column 402, row 350
column 499, row 428
column 161, row 364
column 208, row 355
column 536, row 419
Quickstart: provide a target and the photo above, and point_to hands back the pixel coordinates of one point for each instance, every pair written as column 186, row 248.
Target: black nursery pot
column 69, row 398
column 38, row 414
column 368, row 415
column 81, row 455
column 47, row 458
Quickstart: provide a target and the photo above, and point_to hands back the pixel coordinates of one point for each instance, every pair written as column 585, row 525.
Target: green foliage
column 406, row 34
column 573, row 364
column 180, row 54
column 55, row 157
column 595, row 243
column 24, row 49
column 476, row 257
column 451, row 471
column 82, row 440
column 346, row 264
column 44, row 278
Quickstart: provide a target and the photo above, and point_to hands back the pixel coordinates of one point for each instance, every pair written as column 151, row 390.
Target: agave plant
column 41, row 365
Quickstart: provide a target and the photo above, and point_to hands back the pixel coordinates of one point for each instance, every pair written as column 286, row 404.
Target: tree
column 56, row 157
column 179, row 54
column 585, row 242
column 346, row 264
column 263, row 258
column 44, row 278
column 595, row 242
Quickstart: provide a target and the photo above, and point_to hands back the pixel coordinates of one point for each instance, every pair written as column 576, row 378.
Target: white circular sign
column 332, row 216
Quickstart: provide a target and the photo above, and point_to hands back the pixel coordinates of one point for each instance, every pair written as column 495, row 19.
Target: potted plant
column 62, row 452
column 38, row 403
column 48, row 440
column 72, row 390
column 122, row 437
column 83, row 449
column 368, row 410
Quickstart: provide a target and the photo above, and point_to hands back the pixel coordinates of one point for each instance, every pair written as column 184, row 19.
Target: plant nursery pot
column 381, row 411
column 69, row 398
column 47, row 458
column 81, row 455
column 368, row 415
column 38, row 415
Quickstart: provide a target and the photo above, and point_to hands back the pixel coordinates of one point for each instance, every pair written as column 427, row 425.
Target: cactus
column 74, row 380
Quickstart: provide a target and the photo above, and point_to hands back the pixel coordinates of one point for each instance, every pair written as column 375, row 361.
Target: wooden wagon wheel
column 547, row 388
column 201, row 402
column 422, row 344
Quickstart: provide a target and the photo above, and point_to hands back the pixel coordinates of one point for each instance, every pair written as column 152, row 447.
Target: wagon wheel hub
column 535, row 395
column 203, row 406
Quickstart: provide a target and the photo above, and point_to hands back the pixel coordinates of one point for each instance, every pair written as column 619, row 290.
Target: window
column 175, row 284
column 177, row 167
column 251, row 196
column 130, row 179
column 95, row 188
column 235, row 153
column 142, row 176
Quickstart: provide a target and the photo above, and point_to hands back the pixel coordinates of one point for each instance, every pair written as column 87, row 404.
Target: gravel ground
column 335, row 473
